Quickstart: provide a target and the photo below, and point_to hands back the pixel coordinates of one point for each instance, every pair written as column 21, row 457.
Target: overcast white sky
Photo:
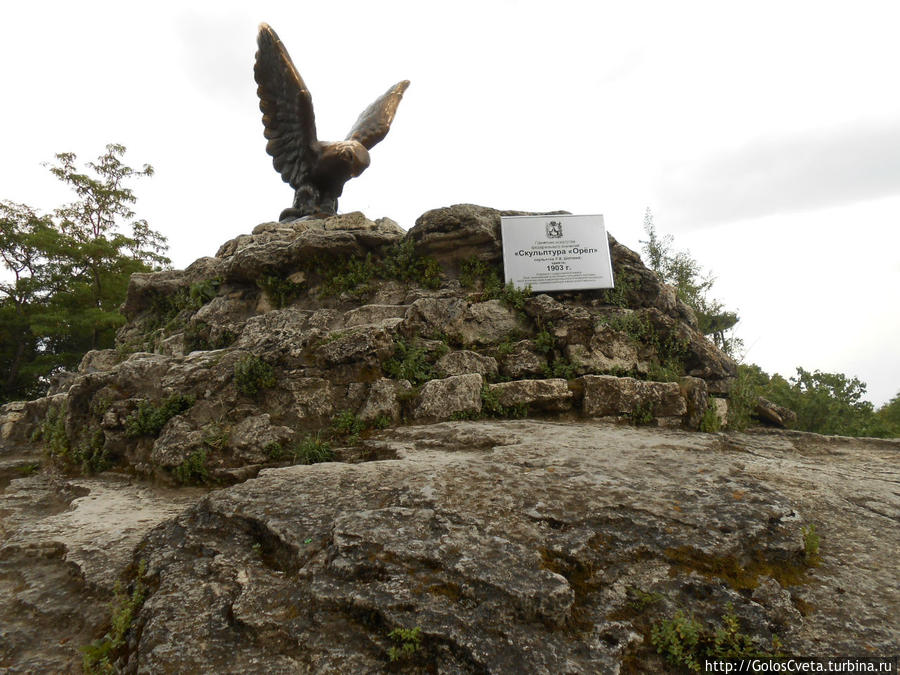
column 764, row 136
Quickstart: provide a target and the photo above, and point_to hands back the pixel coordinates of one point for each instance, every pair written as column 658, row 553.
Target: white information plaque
column 556, row 253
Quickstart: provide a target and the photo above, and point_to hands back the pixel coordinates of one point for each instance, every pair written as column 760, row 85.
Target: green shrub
column 560, row 367
column 348, row 425
column 642, row 414
column 409, row 362
column 252, row 375
column 53, row 431
column 685, row 642
column 312, row 450
column 96, row 657
column 545, row 341
column 91, row 454
column 509, row 295
column 810, row 545
column 201, row 292
column 618, row 296
column 348, row 275
column 408, row 641
column 281, row 292
column 193, row 469
column 475, row 272
column 742, row 400
column 710, row 422
column 274, row 451
column 398, row 261
column 29, row 469
column 670, row 350
column 401, row 262
column 678, row 640
column 149, row 418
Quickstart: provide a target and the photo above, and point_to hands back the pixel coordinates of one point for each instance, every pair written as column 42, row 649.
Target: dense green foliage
column 97, row 657
column 692, row 285
column 150, row 418
column 399, row 261
column 252, row 375
column 407, row 643
column 826, row 403
column 409, row 362
column 687, row 643
column 64, row 274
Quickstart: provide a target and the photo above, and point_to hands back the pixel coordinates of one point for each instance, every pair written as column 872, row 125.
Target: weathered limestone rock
column 571, row 325
column 252, row 435
column 99, row 360
column 608, row 351
column 65, row 544
column 464, row 362
column 552, row 395
column 696, row 398
column 11, row 417
column 459, row 232
column 383, row 400
column 773, row 414
column 441, row 399
column 363, row 344
column 605, row 395
column 486, row 323
column 175, row 443
column 286, row 247
column 523, row 361
column 144, row 288
column 721, row 407
column 374, row 314
column 511, row 544
column 430, row 316
column 311, row 397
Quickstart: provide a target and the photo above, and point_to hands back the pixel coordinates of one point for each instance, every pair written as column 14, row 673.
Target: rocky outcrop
column 498, row 546
column 300, row 322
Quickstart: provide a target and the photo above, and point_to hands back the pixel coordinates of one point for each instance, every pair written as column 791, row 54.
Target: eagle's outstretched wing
column 374, row 123
column 286, row 104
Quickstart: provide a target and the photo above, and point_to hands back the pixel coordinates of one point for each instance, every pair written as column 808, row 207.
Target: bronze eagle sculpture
column 317, row 170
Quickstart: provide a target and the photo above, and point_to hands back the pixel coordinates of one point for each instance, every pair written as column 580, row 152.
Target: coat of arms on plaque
column 554, row 230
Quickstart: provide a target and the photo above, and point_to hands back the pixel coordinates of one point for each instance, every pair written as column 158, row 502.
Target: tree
column 889, row 416
column 826, row 403
column 692, row 286
column 70, row 271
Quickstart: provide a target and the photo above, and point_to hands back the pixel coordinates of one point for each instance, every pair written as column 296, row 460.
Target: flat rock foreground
column 464, row 547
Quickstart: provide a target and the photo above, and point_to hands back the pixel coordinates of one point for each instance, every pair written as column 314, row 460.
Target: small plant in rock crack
column 711, row 423
column 347, row 425
column 312, row 450
column 810, row 545
column 193, row 469
column 150, row 418
column 684, row 641
column 408, row 641
column 252, row 375
column 97, row 656
column 409, row 362
column 642, row 414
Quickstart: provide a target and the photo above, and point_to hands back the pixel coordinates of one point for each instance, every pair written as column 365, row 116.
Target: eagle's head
column 344, row 159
